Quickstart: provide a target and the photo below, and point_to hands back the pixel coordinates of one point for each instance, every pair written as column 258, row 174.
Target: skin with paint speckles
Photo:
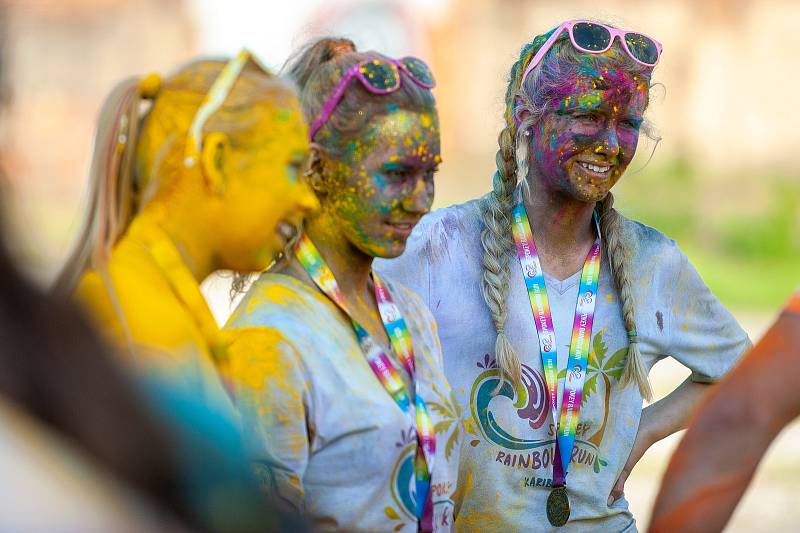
column 385, row 182
column 596, row 120
column 371, row 199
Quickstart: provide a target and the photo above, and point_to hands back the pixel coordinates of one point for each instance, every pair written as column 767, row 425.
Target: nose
column 609, row 142
column 420, row 198
column 307, row 202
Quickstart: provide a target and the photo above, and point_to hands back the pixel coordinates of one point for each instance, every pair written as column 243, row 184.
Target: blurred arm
column 728, row 436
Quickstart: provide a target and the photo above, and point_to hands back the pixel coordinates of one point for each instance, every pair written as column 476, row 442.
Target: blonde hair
column 535, row 95
column 140, row 152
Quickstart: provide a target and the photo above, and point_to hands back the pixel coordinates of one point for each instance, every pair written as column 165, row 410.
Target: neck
column 350, row 266
column 186, row 234
column 560, row 224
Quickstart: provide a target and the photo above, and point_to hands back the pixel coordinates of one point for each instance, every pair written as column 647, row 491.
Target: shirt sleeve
column 272, row 393
column 704, row 335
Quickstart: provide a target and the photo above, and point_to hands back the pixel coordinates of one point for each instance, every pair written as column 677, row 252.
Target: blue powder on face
column 380, row 183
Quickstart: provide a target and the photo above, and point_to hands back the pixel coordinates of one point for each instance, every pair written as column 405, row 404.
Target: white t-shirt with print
column 325, row 437
column 506, row 462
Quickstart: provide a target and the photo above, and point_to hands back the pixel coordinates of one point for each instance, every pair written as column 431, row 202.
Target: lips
column 596, row 169
column 403, row 228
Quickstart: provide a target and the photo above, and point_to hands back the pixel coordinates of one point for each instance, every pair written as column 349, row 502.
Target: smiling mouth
column 597, row 170
column 403, row 228
column 602, row 169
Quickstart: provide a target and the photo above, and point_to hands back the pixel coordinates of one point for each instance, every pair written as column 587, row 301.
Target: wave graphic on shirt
column 529, row 399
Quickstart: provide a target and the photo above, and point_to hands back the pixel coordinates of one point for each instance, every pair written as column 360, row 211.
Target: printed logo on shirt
column 404, row 488
column 448, row 427
column 491, row 404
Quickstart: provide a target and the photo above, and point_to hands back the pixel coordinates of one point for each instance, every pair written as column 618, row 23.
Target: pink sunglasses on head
column 378, row 76
column 596, row 38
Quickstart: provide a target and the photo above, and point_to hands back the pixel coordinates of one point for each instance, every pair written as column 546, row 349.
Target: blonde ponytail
column 610, row 219
column 111, row 180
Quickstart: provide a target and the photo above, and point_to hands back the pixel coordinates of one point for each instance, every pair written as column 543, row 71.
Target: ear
column 216, row 152
column 521, row 114
column 315, row 171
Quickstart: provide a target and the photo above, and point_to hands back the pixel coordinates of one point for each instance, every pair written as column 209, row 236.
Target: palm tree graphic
column 607, row 368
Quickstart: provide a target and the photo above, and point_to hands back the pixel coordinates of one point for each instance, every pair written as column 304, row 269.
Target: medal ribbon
column 384, row 370
column 528, row 256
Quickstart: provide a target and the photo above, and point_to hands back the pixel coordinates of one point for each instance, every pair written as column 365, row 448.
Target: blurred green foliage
column 742, row 233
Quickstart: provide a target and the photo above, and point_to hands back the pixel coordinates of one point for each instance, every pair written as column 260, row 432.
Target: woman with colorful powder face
column 338, row 372
column 552, row 307
column 196, row 185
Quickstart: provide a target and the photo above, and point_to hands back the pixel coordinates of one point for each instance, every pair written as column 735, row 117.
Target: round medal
column 558, row 506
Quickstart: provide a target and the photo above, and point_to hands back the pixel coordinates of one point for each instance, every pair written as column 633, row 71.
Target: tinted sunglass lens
column 419, row 70
column 642, row 48
column 591, row 37
column 380, row 76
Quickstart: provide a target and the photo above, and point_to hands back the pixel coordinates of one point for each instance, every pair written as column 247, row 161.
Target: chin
column 589, row 196
column 389, row 250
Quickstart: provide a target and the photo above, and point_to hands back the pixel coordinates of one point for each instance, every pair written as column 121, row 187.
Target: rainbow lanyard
column 396, row 329
column 581, row 335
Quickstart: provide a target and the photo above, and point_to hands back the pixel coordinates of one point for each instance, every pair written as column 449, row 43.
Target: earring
column 527, row 133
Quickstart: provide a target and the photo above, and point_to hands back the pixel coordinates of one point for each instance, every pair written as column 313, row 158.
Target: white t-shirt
column 506, row 462
column 324, row 434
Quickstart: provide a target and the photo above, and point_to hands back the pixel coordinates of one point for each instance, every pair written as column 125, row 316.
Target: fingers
column 618, row 488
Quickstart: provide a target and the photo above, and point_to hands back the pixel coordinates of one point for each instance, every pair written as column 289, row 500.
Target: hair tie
column 632, row 337
column 150, row 85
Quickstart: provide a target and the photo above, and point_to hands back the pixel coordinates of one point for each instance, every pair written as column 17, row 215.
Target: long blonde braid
column 496, row 238
column 614, row 243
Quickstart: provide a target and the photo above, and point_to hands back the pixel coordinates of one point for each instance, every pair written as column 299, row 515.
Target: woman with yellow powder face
column 338, row 371
column 197, row 184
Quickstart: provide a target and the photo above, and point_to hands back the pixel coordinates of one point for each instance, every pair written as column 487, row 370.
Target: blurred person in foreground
column 729, row 434
column 86, row 447
column 196, row 184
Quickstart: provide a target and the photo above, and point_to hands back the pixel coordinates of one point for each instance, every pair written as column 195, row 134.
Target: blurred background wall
column 724, row 181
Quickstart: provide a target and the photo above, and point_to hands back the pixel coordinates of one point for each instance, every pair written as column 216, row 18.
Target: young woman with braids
column 339, row 375
column 549, row 361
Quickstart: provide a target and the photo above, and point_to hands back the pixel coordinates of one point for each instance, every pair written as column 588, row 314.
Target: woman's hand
column 644, row 439
column 659, row 420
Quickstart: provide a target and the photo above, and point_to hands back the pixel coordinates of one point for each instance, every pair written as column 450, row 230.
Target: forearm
column 731, row 431
column 660, row 420
column 711, row 468
column 671, row 413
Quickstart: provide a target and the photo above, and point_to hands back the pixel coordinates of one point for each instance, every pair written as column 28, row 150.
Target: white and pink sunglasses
column 596, row 38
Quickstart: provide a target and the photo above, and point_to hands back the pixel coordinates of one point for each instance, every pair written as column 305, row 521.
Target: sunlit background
column 724, row 181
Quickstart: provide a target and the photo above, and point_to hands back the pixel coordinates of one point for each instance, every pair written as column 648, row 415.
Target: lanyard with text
column 399, row 336
column 566, row 423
